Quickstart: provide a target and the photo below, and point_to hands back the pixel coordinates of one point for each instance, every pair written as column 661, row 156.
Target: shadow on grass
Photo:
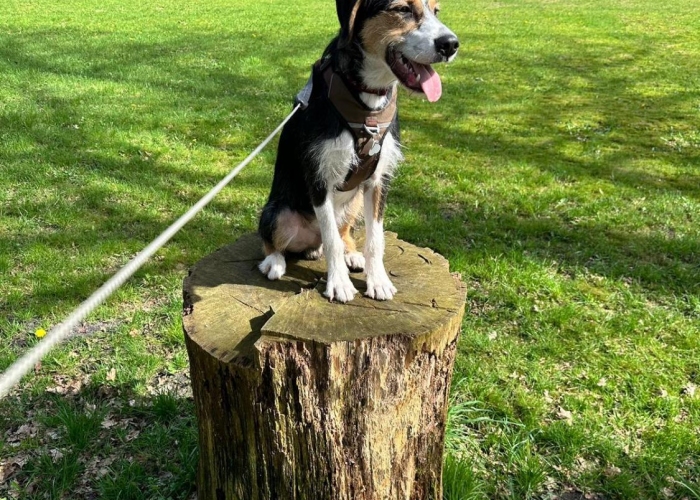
column 102, row 441
column 214, row 96
column 601, row 132
column 599, row 129
column 84, row 138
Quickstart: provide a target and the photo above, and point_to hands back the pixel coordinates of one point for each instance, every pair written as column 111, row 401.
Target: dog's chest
column 336, row 157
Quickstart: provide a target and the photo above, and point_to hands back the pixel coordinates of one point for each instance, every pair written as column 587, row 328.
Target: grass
column 560, row 174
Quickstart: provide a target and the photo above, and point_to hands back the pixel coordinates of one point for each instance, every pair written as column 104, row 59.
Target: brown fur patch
column 346, row 228
column 346, row 235
column 351, row 21
column 268, row 248
column 384, row 29
column 417, row 8
column 377, row 203
column 433, row 4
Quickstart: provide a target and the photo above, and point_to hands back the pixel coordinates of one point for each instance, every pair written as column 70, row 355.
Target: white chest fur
column 336, row 156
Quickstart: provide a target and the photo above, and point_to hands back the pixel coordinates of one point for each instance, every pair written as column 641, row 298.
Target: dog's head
column 400, row 40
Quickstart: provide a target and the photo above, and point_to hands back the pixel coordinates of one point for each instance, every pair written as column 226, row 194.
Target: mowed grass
column 560, row 174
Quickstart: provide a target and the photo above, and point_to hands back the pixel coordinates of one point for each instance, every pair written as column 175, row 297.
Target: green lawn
column 560, row 174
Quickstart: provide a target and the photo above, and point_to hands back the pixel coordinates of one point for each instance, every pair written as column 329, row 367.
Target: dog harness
column 368, row 127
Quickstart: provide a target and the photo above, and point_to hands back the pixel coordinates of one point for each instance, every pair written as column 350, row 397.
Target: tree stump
column 298, row 398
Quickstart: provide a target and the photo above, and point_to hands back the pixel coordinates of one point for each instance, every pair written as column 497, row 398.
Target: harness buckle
column 371, row 130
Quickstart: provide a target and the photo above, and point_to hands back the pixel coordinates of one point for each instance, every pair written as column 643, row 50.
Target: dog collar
column 359, row 87
column 368, row 126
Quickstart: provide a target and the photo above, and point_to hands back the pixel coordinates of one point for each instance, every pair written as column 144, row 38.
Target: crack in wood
column 426, row 259
column 369, row 305
column 248, row 305
column 431, row 306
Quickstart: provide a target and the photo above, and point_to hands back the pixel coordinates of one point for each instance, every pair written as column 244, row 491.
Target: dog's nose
column 447, row 45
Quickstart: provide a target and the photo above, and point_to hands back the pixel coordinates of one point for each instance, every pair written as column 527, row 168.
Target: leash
column 61, row 332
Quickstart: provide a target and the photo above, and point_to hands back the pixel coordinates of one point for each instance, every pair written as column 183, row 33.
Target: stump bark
column 298, row 398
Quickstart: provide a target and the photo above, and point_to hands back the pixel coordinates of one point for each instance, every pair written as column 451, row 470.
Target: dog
column 338, row 154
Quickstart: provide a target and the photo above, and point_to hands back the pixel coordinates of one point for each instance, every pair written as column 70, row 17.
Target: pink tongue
column 429, row 82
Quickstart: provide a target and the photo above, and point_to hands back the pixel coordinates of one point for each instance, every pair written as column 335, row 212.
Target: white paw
column 273, row 266
column 340, row 288
column 314, row 254
column 355, row 261
column 380, row 287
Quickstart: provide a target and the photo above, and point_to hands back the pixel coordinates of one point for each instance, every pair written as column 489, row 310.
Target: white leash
column 61, row 332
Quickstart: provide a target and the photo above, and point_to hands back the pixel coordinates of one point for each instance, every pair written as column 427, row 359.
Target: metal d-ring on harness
column 368, row 126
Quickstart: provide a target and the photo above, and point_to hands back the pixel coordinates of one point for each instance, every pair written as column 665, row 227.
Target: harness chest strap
column 368, row 127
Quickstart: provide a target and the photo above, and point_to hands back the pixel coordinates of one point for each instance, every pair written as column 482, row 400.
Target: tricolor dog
column 338, row 154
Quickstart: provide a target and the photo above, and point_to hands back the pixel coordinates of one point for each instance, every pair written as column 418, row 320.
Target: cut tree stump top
column 236, row 305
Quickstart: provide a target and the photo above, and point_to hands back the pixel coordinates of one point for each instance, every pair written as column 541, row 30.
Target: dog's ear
column 347, row 12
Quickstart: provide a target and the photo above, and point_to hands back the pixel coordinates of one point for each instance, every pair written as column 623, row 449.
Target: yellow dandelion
column 40, row 333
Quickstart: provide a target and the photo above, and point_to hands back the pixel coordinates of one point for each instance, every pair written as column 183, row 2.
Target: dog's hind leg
column 273, row 266
column 290, row 231
column 314, row 253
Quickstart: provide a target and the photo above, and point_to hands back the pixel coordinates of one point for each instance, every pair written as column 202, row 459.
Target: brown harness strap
column 368, row 127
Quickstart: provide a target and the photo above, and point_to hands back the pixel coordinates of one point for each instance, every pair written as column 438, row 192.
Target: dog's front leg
column 339, row 287
column 379, row 286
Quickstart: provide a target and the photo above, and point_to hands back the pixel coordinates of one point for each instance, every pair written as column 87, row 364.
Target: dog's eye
column 404, row 10
column 437, row 11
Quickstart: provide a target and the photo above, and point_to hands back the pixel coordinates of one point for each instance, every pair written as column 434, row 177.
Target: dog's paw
column 355, row 261
column 314, row 253
column 274, row 266
column 380, row 288
column 340, row 289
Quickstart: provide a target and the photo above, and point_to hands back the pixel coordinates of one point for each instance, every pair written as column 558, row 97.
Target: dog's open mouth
column 415, row 76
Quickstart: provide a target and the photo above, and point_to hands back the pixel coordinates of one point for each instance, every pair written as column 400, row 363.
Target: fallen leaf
column 108, row 423
column 602, row 382
column 547, row 397
column 133, row 434
column 20, row 460
column 11, row 466
column 65, row 386
column 689, row 389
column 563, row 414
column 23, row 432
column 112, row 375
column 612, row 471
